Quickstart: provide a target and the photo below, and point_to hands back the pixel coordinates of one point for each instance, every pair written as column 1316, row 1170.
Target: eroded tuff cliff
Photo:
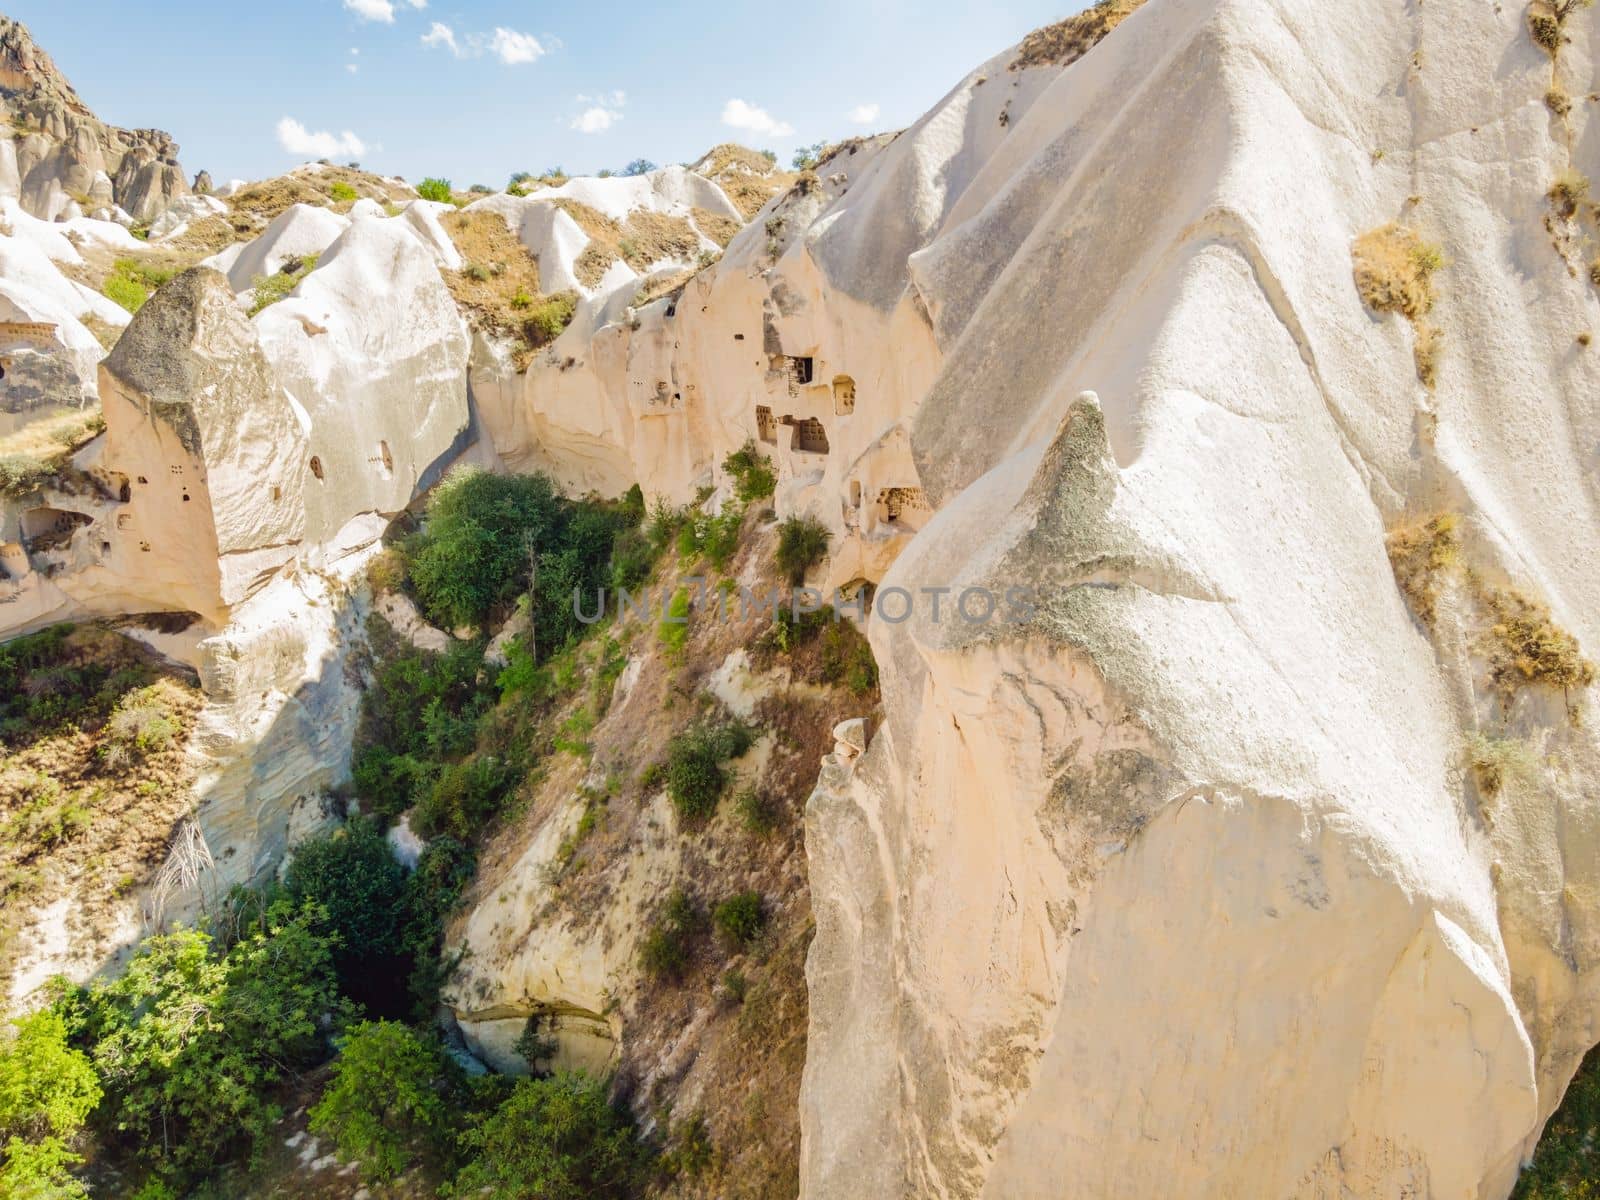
column 1262, row 859
column 62, row 160
column 1205, row 880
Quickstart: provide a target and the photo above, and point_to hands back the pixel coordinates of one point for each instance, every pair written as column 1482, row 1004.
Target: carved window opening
column 895, row 503
column 802, row 368
column 809, row 437
column 316, row 466
column 766, row 427
column 844, row 395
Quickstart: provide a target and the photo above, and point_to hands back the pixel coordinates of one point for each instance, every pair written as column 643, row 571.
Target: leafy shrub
column 421, row 708
column 847, row 658
column 342, row 192
column 754, row 478
column 557, row 1139
column 47, row 1091
column 1566, row 1162
column 690, row 1152
column 436, row 189
column 740, row 919
column 21, row 473
column 639, row 166
column 464, row 798
column 807, row 157
column 802, row 543
column 664, row 952
column 59, row 678
column 142, row 724
column 386, row 1100
column 695, row 778
column 755, row 812
column 548, row 318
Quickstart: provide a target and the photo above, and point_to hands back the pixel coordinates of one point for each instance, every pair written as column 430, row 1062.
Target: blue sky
column 504, row 86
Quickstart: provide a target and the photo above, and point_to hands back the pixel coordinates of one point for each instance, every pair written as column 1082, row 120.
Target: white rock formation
column 1180, row 886
column 298, row 231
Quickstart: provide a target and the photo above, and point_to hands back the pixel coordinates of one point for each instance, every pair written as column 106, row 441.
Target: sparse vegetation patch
column 1067, row 41
column 1394, row 271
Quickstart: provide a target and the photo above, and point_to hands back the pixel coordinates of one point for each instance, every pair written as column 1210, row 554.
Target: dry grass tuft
column 1394, row 270
column 1419, row 556
column 747, row 177
column 1525, row 648
column 87, row 804
column 1567, row 191
column 1496, row 762
column 1067, row 41
column 499, row 279
column 718, row 228
column 645, row 239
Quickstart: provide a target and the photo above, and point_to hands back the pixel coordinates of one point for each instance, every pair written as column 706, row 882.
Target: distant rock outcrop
column 62, row 159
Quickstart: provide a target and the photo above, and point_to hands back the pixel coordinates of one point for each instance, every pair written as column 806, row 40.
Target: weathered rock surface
column 1180, row 886
column 66, row 157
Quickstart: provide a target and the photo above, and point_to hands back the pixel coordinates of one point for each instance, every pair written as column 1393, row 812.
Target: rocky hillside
column 1194, row 403
column 61, row 159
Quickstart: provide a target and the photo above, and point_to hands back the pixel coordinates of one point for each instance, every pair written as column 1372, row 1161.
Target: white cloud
column 440, row 34
column 418, row 3
column 372, row 10
column 595, row 120
column 297, row 139
column 863, row 114
column 511, row 47
column 602, row 111
column 739, row 115
column 351, row 67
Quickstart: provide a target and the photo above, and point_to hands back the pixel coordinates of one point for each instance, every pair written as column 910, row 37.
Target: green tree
column 47, row 1091
column 355, row 878
column 437, row 189
column 474, row 554
column 554, row 1139
column 385, row 1107
column 188, row 1042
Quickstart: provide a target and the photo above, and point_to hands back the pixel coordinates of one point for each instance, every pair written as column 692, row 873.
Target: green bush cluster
column 269, row 289
column 48, row 1088
column 485, row 537
column 342, row 193
column 548, row 317
column 665, row 950
column 131, row 283
column 22, row 473
column 49, row 681
column 387, row 1103
column 436, row 189
column 420, row 713
column 752, row 472
column 802, row 543
column 558, row 1139
column 695, row 776
column 740, row 919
